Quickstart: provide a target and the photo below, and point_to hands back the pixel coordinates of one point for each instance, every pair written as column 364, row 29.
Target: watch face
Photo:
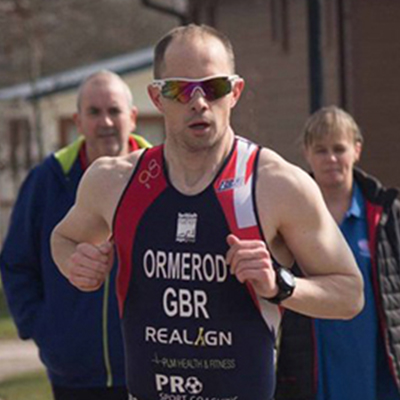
column 287, row 277
column 286, row 283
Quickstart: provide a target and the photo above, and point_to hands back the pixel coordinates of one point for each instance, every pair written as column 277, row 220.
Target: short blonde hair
column 330, row 120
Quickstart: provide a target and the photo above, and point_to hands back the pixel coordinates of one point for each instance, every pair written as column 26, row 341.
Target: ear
column 133, row 114
column 77, row 119
column 155, row 96
column 237, row 91
column 358, row 151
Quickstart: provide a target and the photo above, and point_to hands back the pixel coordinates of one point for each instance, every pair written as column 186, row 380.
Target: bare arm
column 79, row 242
column 333, row 286
column 298, row 225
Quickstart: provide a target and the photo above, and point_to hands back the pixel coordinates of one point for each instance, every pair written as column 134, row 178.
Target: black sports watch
column 286, row 284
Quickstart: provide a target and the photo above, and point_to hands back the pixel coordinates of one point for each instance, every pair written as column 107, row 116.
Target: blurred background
column 295, row 55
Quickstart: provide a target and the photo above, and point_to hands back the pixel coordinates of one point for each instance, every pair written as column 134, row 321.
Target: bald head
column 189, row 33
column 104, row 78
column 105, row 115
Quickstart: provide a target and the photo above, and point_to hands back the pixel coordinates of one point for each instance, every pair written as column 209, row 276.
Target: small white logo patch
column 364, row 248
column 230, row 184
column 186, row 228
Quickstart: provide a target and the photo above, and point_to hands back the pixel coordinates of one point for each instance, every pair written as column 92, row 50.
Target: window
column 68, row 131
column 20, row 145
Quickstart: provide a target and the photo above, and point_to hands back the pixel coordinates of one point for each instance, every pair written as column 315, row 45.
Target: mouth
column 105, row 135
column 199, row 125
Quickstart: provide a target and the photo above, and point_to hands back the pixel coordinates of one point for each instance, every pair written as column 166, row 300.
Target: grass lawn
column 29, row 386
column 7, row 327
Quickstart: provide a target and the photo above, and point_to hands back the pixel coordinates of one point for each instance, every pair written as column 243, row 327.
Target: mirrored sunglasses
column 182, row 89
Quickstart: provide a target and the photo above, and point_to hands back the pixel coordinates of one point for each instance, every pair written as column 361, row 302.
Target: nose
column 332, row 156
column 106, row 120
column 198, row 102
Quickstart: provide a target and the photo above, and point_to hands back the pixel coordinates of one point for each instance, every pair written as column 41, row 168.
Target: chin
column 334, row 178
column 336, row 184
column 328, row 182
column 113, row 151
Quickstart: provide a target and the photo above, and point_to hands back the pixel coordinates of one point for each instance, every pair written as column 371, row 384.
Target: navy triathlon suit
column 192, row 331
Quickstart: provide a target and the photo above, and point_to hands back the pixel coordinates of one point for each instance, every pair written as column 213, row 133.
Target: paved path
column 17, row 356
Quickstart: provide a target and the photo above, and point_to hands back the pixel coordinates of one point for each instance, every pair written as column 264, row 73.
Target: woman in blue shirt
column 356, row 359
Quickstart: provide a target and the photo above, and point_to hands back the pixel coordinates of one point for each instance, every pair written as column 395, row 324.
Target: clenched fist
column 89, row 265
column 251, row 262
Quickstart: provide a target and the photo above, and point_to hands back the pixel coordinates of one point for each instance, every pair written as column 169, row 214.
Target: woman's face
column 332, row 158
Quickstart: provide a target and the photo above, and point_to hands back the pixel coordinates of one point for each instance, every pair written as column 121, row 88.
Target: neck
column 92, row 154
column 191, row 171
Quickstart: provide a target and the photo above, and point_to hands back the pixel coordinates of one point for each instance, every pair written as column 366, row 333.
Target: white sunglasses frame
column 159, row 83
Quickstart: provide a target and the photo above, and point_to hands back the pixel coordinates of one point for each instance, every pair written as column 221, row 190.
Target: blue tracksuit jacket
column 77, row 333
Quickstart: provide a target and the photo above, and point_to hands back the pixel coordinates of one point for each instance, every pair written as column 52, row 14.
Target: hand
column 251, row 262
column 90, row 265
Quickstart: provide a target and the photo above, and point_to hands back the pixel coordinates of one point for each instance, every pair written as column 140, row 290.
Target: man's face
column 198, row 124
column 105, row 118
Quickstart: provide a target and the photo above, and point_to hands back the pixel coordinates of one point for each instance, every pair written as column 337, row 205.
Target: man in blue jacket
column 78, row 334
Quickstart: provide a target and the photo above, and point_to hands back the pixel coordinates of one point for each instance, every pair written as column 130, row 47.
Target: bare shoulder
column 286, row 195
column 110, row 171
column 106, row 179
column 278, row 178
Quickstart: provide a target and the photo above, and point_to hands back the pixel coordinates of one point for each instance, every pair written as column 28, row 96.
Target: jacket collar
column 67, row 156
column 373, row 190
